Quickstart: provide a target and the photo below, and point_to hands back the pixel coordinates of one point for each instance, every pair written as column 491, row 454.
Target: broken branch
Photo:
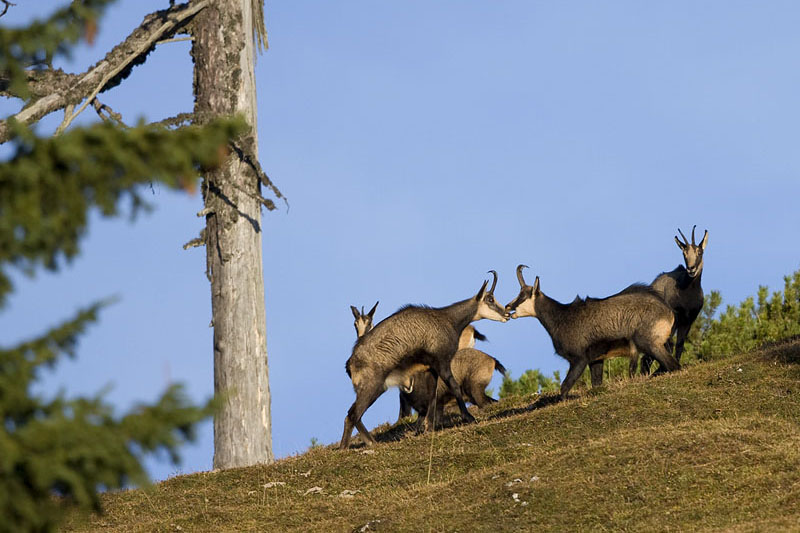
column 111, row 69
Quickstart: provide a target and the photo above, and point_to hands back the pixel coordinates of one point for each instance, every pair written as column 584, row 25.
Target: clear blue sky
column 423, row 143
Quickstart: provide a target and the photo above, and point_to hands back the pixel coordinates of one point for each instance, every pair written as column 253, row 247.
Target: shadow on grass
column 544, row 400
column 409, row 426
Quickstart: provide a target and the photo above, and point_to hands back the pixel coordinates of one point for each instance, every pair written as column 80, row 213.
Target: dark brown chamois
column 585, row 332
column 412, row 339
column 472, row 369
column 682, row 291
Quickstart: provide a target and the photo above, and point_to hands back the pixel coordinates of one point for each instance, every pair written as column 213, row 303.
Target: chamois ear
column 704, row 241
column 372, row 311
column 680, row 244
column 479, row 296
column 356, row 314
column 536, row 286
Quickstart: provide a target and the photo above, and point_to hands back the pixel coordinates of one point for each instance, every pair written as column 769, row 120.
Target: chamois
column 412, row 339
column 473, row 370
column 586, row 331
column 682, row 291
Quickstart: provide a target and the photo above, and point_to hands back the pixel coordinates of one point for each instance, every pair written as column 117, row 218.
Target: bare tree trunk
column 224, row 84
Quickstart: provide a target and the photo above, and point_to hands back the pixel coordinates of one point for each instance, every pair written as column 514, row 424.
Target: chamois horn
column 519, row 275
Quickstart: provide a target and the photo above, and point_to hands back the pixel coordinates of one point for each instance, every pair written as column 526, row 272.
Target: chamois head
column 363, row 321
column 487, row 305
column 525, row 302
column 692, row 253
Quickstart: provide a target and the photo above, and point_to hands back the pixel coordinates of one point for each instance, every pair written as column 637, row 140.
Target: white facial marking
column 489, row 312
column 526, row 308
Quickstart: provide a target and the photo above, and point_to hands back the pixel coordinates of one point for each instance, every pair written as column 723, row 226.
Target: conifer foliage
column 59, row 451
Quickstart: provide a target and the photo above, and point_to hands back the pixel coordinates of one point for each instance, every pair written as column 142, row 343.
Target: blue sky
column 421, row 144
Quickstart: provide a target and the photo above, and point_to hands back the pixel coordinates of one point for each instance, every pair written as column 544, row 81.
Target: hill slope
column 715, row 446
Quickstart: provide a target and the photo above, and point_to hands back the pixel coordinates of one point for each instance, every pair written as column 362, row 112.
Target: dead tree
column 224, row 34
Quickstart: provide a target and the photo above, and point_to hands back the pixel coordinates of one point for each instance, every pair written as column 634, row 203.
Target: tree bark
column 224, row 84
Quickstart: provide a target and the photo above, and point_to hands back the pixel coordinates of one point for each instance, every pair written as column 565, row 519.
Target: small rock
column 313, row 490
column 516, row 499
column 347, row 493
column 513, row 481
column 368, row 451
column 535, row 478
column 274, row 484
column 368, row 526
column 305, row 474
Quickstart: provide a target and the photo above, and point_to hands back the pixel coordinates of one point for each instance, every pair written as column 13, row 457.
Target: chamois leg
column 364, row 399
column 596, row 370
column 405, row 406
column 447, row 376
column 647, row 362
column 658, row 352
column 576, row 368
column 633, row 365
column 680, row 337
column 477, row 394
column 433, row 409
column 441, row 399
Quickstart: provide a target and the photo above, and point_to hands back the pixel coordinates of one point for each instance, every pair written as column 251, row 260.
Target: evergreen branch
column 60, row 339
column 106, row 164
column 109, row 71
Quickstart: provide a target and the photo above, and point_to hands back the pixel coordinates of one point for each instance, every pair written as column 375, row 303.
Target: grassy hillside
column 713, row 447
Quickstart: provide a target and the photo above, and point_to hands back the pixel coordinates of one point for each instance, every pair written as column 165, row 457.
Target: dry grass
column 714, row 447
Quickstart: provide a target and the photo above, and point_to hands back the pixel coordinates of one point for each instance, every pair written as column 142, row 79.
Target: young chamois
column 682, row 291
column 412, row 339
column 473, row 369
column 585, row 332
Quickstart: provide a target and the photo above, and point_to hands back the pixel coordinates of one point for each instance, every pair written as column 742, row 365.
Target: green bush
column 530, row 382
column 752, row 323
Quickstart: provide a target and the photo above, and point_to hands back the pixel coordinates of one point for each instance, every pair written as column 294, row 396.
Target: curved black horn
column 519, row 275
column 693, row 244
column 494, row 283
column 685, row 240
